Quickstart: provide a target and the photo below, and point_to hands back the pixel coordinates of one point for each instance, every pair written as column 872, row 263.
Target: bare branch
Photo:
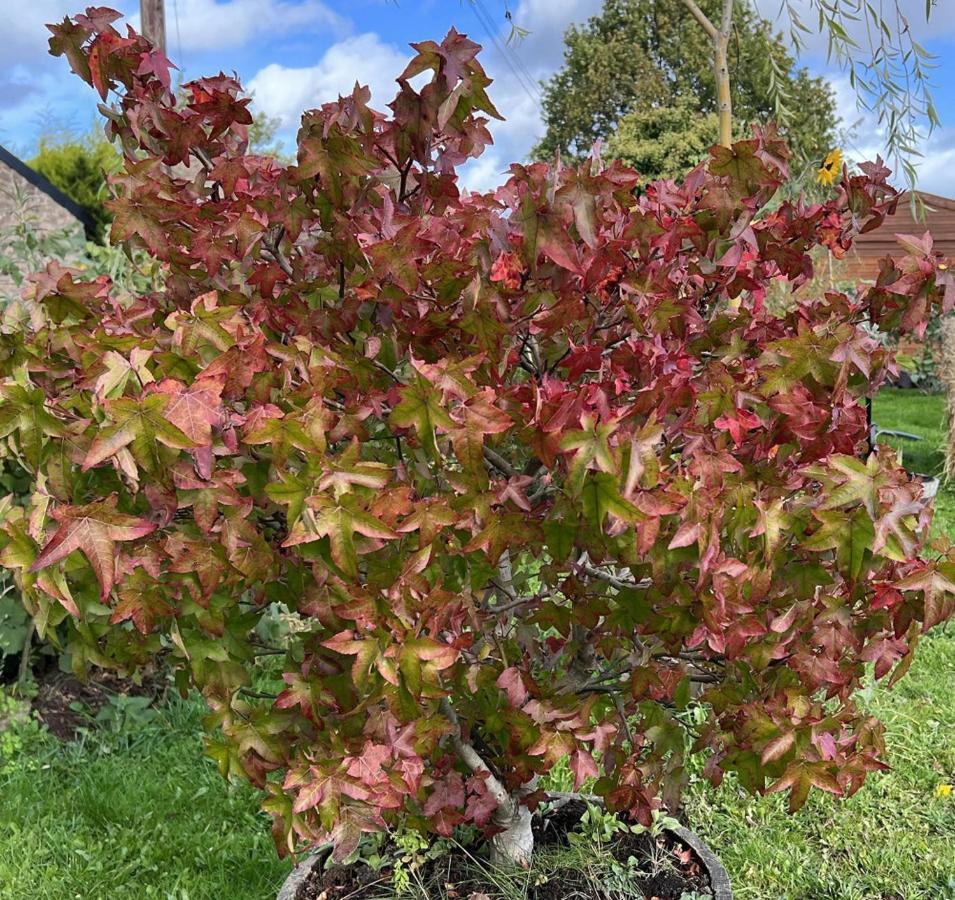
column 700, row 17
column 203, row 158
column 472, row 759
column 499, row 463
column 613, row 580
column 622, row 714
column 273, row 250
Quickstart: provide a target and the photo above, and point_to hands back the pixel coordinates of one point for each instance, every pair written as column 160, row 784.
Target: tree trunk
column 513, row 846
column 723, row 95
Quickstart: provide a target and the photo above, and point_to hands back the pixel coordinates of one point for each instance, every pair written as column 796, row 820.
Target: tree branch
column 272, row 248
column 727, row 21
column 700, row 17
column 206, row 164
column 499, row 463
column 472, row 759
column 612, row 580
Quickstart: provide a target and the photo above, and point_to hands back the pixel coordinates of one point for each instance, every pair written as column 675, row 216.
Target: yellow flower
column 943, row 790
column 831, row 166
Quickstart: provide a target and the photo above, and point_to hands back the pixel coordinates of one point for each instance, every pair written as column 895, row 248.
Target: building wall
column 862, row 262
column 23, row 202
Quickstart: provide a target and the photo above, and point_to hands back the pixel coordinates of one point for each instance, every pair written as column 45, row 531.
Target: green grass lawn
column 924, row 415
column 119, row 818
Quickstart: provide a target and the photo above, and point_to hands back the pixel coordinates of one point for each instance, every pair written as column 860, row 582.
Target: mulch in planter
column 455, row 876
column 66, row 705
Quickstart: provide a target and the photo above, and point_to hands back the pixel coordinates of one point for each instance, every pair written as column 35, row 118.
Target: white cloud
column 285, row 92
column 937, row 172
column 25, row 34
column 517, row 71
column 204, row 25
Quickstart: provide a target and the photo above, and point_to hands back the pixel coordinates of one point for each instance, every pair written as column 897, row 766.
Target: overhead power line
column 512, row 60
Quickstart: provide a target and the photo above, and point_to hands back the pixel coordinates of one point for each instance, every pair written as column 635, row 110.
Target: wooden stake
column 153, row 15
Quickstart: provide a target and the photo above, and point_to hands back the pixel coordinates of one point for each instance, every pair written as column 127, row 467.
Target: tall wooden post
column 153, row 15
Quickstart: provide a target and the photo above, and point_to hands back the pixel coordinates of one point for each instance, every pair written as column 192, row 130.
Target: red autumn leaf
column 94, row 530
column 511, row 682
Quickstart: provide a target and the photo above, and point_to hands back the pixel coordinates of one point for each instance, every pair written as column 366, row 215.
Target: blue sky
column 297, row 54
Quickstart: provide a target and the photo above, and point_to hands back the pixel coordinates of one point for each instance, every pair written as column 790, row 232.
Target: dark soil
column 673, row 870
column 65, row 705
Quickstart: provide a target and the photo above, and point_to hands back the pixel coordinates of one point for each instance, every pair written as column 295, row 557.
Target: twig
column 499, row 463
column 25, row 654
column 206, row 163
column 514, row 604
column 273, row 250
column 612, row 580
column 258, row 695
column 622, row 713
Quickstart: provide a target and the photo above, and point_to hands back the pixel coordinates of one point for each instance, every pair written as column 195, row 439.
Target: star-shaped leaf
column 94, row 530
column 140, row 423
column 339, row 522
column 421, row 408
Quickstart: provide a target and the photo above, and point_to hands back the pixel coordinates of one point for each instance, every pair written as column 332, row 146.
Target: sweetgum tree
column 533, row 467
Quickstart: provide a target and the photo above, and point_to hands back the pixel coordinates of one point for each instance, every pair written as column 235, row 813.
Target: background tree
column 262, row 140
column 666, row 141
column 642, row 57
column 78, row 166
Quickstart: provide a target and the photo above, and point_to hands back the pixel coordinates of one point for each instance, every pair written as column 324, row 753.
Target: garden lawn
column 113, row 817
column 924, row 415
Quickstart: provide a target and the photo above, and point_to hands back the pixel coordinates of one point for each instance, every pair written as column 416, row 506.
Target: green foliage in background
column 78, row 166
column 650, row 58
column 666, row 141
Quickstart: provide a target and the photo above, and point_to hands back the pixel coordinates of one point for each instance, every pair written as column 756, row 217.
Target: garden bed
column 66, row 705
column 566, row 867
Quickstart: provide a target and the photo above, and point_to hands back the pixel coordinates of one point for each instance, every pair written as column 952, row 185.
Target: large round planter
column 719, row 879
column 930, row 484
column 296, row 878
